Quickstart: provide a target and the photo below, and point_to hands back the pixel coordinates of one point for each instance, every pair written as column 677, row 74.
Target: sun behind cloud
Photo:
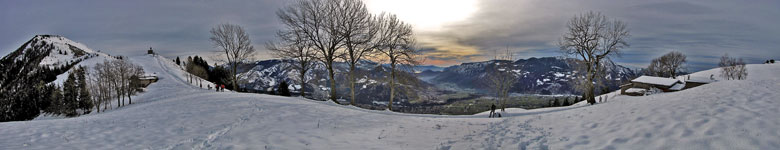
column 425, row 14
column 429, row 17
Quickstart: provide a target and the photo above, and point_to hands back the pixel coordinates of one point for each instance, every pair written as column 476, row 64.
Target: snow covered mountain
column 547, row 75
column 26, row 72
column 49, row 56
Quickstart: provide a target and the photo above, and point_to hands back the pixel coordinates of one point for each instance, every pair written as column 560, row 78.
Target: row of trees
column 198, row 67
column 83, row 90
column 328, row 31
column 563, row 102
column 670, row 64
column 114, row 79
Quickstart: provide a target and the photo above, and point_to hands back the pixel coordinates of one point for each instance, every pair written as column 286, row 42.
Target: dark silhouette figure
column 492, row 110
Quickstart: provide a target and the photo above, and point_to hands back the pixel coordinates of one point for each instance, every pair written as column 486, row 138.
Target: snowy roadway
column 176, row 115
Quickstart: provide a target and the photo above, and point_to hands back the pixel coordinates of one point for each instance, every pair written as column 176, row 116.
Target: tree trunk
column 332, row 81
column 589, row 92
column 235, row 79
column 118, row 101
column 589, row 87
column 129, row 98
column 352, row 83
column 331, row 74
column 303, row 83
column 392, row 86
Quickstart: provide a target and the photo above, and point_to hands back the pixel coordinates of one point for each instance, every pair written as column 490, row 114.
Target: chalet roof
column 636, row 90
column 656, row 80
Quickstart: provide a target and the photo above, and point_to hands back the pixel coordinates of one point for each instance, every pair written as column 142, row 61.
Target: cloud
column 700, row 29
column 703, row 30
column 173, row 28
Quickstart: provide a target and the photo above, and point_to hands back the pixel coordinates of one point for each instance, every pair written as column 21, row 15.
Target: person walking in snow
column 492, row 110
column 216, row 87
column 222, row 87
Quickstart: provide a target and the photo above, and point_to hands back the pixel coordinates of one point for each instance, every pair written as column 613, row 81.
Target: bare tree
column 234, row 41
column 655, row 68
column 103, row 78
column 732, row 68
column 359, row 31
column 296, row 49
column 502, row 79
column 113, row 79
column 667, row 65
column 197, row 71
column 397, row 42
column 318, row 21
column 593, row 39
column 96, row 87
column 135, row 72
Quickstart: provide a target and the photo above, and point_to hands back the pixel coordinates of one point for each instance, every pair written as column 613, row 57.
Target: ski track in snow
column 174, row 114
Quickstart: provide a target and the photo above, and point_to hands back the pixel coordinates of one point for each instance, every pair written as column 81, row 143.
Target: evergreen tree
column 70, row 96
column 282, row 89
column 556, row 103
column 55, row 101
column 566, row 101
column 85, row 100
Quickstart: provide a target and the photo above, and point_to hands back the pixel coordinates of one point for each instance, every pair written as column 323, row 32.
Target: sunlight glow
column 428, row 15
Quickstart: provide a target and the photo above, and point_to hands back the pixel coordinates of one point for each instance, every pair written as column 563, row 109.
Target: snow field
column 174, row 114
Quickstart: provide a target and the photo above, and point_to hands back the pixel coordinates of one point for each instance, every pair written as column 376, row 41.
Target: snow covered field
column 176, row 115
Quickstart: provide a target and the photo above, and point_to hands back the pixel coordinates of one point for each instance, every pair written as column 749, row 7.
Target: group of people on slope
column 220, row 87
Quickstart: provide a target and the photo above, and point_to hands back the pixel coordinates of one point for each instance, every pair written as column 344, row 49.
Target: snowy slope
column 64, row 51
column 176, row 115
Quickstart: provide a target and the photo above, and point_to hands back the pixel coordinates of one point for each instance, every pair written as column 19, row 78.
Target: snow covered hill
column 176, row 115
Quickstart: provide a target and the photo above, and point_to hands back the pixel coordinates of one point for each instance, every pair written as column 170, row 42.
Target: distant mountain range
column 371, row 81
column 545, row 76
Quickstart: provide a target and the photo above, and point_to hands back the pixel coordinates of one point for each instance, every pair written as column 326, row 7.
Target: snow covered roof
column 677, row 87
column 635, row 90
column 656, row 80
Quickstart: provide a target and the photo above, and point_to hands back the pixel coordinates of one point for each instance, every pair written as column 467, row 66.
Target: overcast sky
column 449, row 31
